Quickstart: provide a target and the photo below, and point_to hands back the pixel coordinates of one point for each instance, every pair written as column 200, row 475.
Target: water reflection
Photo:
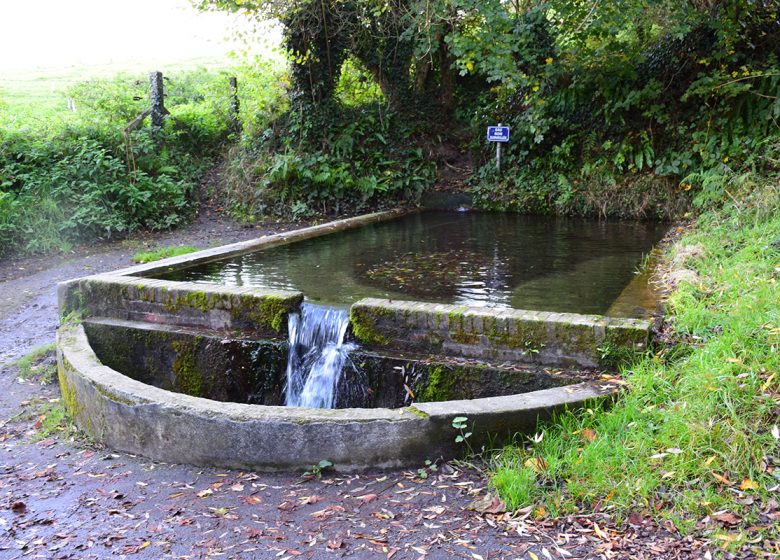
column 479, row 259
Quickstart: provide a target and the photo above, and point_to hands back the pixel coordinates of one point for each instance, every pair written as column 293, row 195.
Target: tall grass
column 692, row 434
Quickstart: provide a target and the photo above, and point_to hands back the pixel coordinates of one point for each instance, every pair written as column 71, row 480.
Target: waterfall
column 317, row 356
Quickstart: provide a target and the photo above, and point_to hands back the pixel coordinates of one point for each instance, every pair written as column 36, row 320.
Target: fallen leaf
column 537, row 464
column 748, row 484
column 252, row 500
column 366, row 498
column 488, row 504
column 727, row 518
column 722, row 479
column 306, row 500
column 775, row 432
column 588, row 434
column 205, row 493
column 286, row 506
column 533, row 556
column 335, row 544
column 19, row 507
column 237, row 487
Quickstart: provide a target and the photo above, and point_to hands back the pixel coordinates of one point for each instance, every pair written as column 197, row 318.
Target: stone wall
column 540, row 337
column 259, row 311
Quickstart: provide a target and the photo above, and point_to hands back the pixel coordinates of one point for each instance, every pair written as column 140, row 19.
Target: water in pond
column 471, row 258
column 317, row 356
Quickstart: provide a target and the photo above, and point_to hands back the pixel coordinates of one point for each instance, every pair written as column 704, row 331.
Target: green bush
column 71, row 177
column 335, row 159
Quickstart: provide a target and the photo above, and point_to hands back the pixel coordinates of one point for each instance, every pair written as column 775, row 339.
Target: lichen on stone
column 362, row 321
column 188, row 379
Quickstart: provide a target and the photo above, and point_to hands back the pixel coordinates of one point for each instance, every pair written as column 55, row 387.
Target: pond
column 495, row 260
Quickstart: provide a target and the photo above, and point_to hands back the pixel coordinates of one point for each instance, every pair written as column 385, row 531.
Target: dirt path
column 62, row 497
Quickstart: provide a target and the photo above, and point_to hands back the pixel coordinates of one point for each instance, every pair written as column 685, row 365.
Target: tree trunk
column 446, row 81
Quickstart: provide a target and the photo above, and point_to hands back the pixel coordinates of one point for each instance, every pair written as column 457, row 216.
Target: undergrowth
column 143, row 257
column 68, row 178
column 39, row 362
column 696, row 430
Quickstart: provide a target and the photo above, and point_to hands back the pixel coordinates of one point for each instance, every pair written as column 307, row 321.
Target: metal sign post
column 498, row 134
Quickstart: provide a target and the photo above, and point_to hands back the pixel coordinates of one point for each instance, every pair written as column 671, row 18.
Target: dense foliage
column 617, row 108
column 67, row 177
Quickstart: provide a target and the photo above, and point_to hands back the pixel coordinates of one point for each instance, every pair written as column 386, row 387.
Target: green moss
column 73, row 302
column 462, row 337
column 363, row 327
column 188, row 379
column 528, row 336
column 113, row 396
column 441, row 386
column 456, row 320
column 574, row 337
column 626, row 337
column 68, row 391
column 273, row 311
column 196, row 300
column 417, row 412
column 267, row 313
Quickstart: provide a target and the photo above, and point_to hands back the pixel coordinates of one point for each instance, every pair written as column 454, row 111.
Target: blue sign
column 498, row 134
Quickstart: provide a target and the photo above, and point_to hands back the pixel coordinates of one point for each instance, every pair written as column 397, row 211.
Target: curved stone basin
column 130, row 413
column 131, row 416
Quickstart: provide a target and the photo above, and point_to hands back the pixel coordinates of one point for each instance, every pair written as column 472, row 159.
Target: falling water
column 317, row 356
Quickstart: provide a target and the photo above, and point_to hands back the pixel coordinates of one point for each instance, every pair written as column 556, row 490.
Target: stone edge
column 563, row 339
column 265, row 242
column 130, row 416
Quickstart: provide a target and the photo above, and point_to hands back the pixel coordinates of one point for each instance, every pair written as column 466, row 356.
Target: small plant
column 35, row 364
column 430, row 467
column 315, row 471
column 50, row 420
column 162, row 253
column 460, row 423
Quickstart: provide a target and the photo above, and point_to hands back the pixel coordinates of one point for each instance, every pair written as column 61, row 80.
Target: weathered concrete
column 265, row 242
column 131, row 416
column 231, row 368
column 261, row 311
column 561, row 339
column 129, row 294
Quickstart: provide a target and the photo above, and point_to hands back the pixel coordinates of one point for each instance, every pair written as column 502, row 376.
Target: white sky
column 59, row 33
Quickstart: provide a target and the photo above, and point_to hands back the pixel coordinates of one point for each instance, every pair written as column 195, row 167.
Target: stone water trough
column 182, row 372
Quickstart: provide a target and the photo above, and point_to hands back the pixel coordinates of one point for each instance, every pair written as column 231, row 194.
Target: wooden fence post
column 235, row 121
column 156, row 102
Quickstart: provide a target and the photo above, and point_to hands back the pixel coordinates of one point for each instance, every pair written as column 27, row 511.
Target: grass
column 162, row 253
column 51, row 419
column 692, row 435
column 30, row 365
column 41, row 93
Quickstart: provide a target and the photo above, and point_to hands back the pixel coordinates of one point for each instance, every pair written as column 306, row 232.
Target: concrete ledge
column 130, row 416
column 264, row 242
column 260, row 311
column 560, row 339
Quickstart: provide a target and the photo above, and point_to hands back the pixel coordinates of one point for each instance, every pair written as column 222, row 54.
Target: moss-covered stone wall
column 259, row 311
column 202, row 364
column 539, row 337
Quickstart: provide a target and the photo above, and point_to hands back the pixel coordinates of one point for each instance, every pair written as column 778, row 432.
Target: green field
column 43, row 92
column 75, row 176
